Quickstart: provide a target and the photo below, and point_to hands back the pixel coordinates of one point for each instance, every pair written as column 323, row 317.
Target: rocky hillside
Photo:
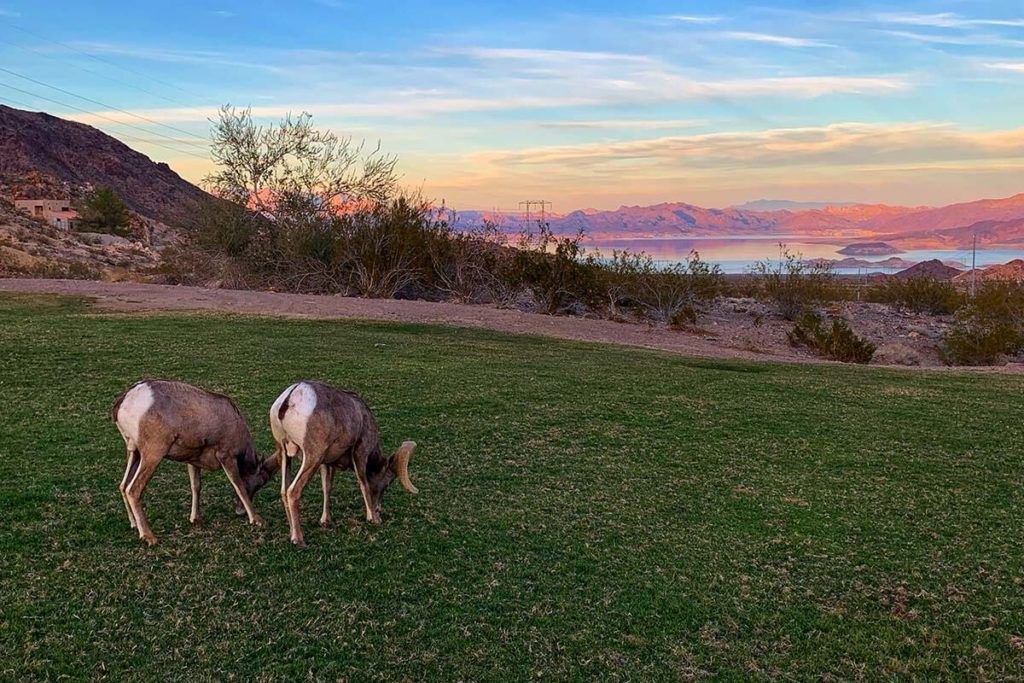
column 31, row 247
column 39, row 149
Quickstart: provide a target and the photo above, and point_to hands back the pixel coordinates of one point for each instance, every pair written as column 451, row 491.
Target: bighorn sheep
column 333, row 429
column 160, row 419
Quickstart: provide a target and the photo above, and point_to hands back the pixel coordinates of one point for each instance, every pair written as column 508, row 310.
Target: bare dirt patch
column 735, row 328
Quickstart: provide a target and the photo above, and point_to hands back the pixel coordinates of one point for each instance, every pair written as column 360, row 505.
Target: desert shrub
column 556, row 270
column 672, row 293
column 469, row 265
column 381, row 252
column 836, row 341
column 791, row 285
column 919, row 294
column 225, row 227
column 989, row 327
column 621, row 276
column 681, row 287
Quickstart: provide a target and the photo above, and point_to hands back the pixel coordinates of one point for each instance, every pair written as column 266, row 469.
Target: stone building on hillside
column 56, row 212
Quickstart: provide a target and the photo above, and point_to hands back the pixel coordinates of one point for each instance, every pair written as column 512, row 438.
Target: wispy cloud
column 942, row 20
column 659, row 89
column 842, row 144
column 695, row 19
column 956, row 39
column 534, row 55
column 787, row 41
column 1017, row 67
column 629, row 124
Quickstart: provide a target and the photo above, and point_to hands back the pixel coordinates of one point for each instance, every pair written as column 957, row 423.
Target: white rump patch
column 291, row 431
column 136, row 403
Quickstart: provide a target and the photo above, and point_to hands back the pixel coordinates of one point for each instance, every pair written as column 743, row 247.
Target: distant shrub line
column 404, row 248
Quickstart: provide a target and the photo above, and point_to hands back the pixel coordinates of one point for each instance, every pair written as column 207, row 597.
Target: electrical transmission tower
column 530, row 203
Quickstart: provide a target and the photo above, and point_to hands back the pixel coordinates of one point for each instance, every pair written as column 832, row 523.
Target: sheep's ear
column 273, row 463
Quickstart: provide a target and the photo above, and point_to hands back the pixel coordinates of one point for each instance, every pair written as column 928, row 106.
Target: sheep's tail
column 284, row 404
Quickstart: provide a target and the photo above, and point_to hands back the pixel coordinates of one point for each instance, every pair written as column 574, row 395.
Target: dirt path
column 146, row 297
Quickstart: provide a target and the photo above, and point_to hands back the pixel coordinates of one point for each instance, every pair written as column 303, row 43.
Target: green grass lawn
column 585, row 512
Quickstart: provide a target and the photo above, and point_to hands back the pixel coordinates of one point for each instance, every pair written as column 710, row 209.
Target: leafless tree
column 291, row 170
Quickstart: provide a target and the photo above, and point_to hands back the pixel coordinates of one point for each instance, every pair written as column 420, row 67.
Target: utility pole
column 543, row 204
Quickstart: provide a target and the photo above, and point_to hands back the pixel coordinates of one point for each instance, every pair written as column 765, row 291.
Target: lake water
column 738, row 253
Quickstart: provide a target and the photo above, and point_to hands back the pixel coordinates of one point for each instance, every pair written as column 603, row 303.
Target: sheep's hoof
column 326, row 524
column 195, row 520
column 150, row 539
column 258, row 521
column 298, row 543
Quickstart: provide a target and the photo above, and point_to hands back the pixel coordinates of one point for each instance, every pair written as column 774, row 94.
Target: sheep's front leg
column 230, row 466
column 364, row 489
column 326, row 479
column 195, row 483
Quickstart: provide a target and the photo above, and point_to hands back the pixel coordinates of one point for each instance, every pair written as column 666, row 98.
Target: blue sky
column 585, row 104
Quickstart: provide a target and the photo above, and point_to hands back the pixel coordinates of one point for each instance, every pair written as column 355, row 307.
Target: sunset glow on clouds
column 586, row 104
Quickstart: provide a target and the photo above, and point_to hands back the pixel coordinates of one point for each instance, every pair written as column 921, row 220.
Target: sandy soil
column 726, row 332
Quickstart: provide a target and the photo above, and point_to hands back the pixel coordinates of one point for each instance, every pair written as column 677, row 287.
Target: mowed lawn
column 585, row 512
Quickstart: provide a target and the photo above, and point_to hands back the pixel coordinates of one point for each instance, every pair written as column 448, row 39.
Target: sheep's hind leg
column 148, row 460
column 309, row 466
column 285, row 465
column 129, row 473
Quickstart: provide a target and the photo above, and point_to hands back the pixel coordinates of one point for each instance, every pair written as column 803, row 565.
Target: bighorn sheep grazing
column 181, row 422
column 333, row 429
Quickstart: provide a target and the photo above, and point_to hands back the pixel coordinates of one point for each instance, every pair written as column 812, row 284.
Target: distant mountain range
column 996, row 222
column 786, row 205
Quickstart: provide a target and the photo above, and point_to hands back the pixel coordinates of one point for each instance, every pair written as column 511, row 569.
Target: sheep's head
column 266, row 470
column 255, row 474
column 395, row 466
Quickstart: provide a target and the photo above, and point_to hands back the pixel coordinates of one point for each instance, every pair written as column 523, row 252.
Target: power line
column 115, row 121
column 104, row 61
column 95, row 73
column 103, row 104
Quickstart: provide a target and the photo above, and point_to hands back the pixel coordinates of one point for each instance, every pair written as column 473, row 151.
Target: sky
column 584, row 104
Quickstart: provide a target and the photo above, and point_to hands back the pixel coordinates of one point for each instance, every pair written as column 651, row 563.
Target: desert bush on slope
column 792, row 285
column 989, row 328
column 836, row 341
column 673, row 293
column 919, row 294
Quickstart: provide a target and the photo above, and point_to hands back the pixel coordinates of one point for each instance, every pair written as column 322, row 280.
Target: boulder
column 894, row 353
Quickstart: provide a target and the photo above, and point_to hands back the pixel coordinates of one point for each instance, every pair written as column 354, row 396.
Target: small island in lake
column 868, row 249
